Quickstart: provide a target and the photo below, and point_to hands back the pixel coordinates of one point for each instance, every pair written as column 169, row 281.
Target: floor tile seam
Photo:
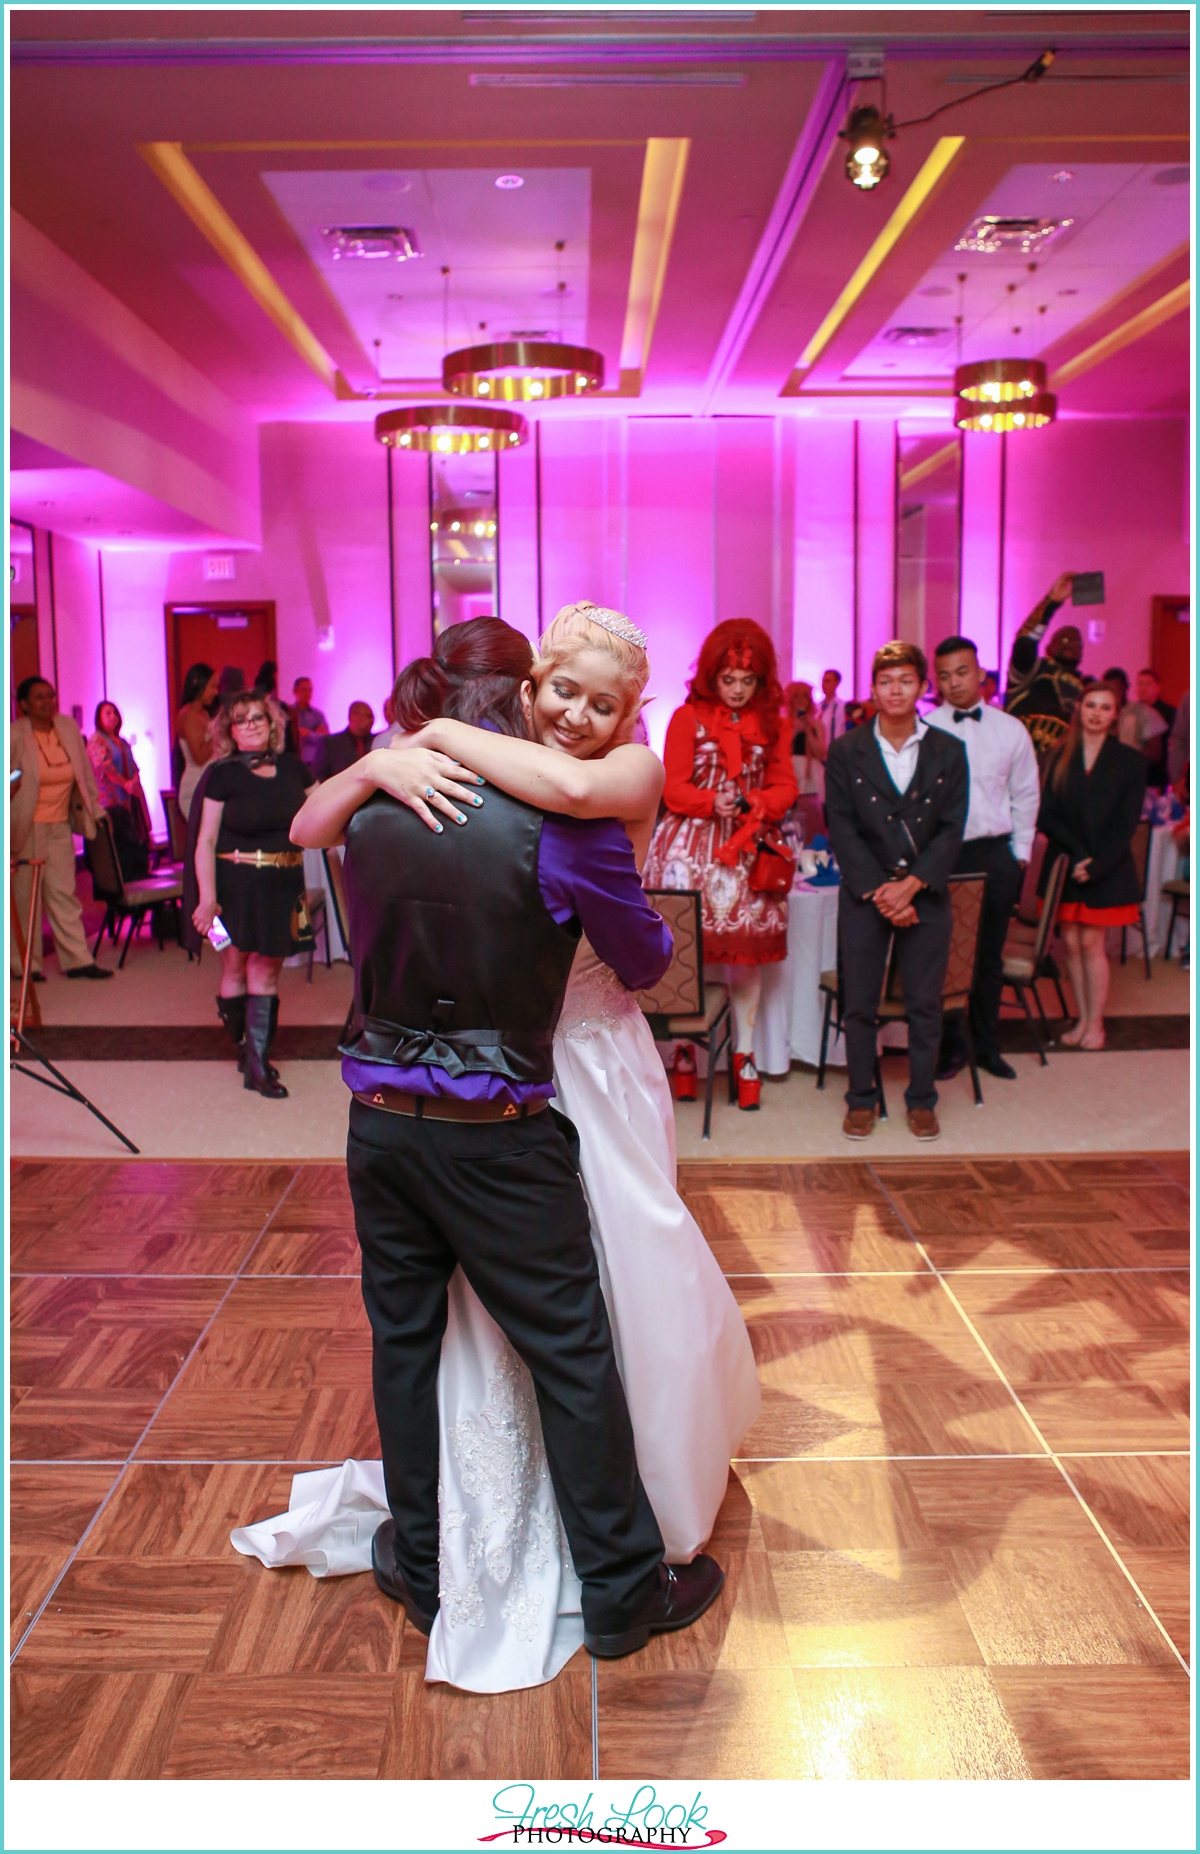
column 1034, row 1427
column 1142, row 1598
column 124, row 1467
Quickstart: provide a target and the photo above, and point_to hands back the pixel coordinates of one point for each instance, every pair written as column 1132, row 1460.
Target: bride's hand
column 425, row 781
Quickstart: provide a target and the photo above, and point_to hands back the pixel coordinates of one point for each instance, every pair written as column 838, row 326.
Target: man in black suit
column 895, row 808
column 338, row 751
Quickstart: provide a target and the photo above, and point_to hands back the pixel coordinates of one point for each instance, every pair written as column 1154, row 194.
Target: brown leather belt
column 263, row 859
column 442, row 1107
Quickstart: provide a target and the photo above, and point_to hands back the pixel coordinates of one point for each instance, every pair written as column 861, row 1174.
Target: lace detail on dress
column 501, row 1459
column 596, row 999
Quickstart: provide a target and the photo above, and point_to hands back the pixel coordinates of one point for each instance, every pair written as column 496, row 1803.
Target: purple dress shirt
column 587, row 874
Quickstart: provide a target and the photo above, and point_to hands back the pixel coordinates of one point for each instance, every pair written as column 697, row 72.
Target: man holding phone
column 1043, row 691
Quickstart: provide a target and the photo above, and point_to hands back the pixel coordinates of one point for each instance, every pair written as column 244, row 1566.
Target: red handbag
column 774, row 865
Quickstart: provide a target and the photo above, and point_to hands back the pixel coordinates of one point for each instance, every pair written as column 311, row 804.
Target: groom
column 462, row 944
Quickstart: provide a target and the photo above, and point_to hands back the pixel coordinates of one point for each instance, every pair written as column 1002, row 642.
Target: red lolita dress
column 709, row 749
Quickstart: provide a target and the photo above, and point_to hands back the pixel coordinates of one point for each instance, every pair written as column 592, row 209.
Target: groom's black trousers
column 503, row 1199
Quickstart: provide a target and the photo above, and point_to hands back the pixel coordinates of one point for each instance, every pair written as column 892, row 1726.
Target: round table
column 789, row 1017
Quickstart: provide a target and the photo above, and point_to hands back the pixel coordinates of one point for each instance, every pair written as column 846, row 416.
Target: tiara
column 615, row 622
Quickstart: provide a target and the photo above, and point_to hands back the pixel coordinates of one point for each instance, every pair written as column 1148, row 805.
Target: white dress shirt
column 1004, row 774
column 901, row 762
column 833, row 714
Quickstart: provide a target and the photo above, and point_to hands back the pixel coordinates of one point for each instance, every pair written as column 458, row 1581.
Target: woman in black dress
column 249, row 872
column 1090, row 809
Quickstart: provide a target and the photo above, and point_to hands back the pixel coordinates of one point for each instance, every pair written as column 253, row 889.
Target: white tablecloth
column 789, row 1018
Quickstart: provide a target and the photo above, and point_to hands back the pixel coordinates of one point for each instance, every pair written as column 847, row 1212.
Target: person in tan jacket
column 55, row 795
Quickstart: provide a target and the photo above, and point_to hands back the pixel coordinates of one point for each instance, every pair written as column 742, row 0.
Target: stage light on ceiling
column 450, row 430
column 1002, row 395
column 523, row 370
column 867, row 163
column 370, row 243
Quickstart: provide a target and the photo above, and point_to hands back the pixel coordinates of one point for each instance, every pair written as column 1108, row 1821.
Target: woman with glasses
column 249, row 873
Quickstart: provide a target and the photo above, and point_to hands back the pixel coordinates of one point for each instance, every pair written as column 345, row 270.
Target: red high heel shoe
column 749, row 1087
column 683, row 1074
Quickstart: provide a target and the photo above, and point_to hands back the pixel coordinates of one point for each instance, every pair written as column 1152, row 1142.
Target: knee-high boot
column 232, row 1012
column 260, row 1026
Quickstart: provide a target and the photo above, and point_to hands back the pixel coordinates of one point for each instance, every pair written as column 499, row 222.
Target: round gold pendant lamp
column 1002, row 395
column 523, row 371
column 451, row 429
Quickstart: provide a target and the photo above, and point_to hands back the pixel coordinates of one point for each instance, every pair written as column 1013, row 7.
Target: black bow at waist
column 518, row 1056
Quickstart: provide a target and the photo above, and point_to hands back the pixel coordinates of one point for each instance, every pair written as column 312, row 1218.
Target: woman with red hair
column 729, row 772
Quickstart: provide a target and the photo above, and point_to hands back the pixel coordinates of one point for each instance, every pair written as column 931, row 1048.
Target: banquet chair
column 966, row 901
column 1139, row 845
column 966, row 908
column 682, row 1007
column 129, row 901
column 1026, row 962
column 337, row 895
column 1179, row 888
column 176, row 825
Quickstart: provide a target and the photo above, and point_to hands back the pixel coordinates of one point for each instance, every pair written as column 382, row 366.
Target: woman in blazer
column 1090, row 809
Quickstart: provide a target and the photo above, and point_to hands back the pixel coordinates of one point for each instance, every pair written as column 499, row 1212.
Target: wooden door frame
column 215, row 607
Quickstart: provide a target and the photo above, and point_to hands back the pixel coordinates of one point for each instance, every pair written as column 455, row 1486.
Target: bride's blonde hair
column 574, row 630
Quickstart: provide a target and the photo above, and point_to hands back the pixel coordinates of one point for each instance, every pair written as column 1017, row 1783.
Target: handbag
column 774, row 865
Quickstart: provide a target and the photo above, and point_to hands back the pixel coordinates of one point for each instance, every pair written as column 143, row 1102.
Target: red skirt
column 1127, row 916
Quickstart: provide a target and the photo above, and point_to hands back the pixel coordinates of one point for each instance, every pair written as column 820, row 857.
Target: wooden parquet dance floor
column 956, row 1542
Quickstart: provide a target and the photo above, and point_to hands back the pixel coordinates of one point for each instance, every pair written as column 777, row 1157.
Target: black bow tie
column 968, row 714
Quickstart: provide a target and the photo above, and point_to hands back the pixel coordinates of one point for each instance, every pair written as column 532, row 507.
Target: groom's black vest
column 457, row 960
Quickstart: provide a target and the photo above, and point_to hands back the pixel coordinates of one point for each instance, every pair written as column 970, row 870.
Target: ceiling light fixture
column 451, row 429
column 371, row 242
column 1002, row 395
column 523, row 370
column 508, row 183
column 869, row 127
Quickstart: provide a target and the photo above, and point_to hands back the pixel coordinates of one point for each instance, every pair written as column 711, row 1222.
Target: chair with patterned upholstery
column 1025, row 962
column 1139, row 849
column 966, row 906
column 682, row 1007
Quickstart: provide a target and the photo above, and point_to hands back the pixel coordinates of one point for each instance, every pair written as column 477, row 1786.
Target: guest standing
column 196, row 706
column 895, row 806
column 1090, row 809
column 120, row 790
column 55, row 795
column 998, row 838
column 729, row 772
column 1043, row 690
column 809, row 741
column 308, row 722
column 834, row 718
column 1179, row 741
column 247, row 871
column 1155, row 719
column 337, row 751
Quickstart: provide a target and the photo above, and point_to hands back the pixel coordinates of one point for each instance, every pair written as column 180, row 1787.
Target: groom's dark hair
column 475, row 674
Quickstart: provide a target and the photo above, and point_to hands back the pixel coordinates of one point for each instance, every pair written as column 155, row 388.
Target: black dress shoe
column 996, row 1065
column 684, row 1592
column 391, row 1580
column 952, row 1066
column 92, row 971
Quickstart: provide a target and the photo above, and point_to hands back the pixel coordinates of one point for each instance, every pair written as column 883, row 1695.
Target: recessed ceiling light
column 1064, row 173
column 372, row 242
column 507, row 182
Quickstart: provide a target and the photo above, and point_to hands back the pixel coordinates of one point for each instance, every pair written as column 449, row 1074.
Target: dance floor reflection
column 956, row 1542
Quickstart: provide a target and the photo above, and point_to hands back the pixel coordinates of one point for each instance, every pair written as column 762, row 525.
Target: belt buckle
column 258, row 859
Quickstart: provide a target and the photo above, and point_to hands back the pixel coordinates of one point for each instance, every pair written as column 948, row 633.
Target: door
column 1171, row 643
column 22, row 606
column 236, row 636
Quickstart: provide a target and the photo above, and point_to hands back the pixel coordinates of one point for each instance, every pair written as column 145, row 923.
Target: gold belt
column 263, row 859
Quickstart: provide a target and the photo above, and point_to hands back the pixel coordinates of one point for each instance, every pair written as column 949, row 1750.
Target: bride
column 509, row 1611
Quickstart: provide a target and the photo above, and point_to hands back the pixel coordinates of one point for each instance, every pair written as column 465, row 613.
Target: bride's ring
column 429, row 791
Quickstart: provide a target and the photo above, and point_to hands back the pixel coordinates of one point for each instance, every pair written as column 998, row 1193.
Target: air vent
column 991, row 233
column 371, row 242
column 915, row 337
column 1172, row 176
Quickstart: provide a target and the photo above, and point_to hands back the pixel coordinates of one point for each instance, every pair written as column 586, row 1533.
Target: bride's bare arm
column 627, row 783
column 411, row 774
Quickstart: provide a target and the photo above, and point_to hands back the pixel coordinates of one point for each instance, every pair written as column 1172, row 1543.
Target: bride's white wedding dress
column 509, row 1614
